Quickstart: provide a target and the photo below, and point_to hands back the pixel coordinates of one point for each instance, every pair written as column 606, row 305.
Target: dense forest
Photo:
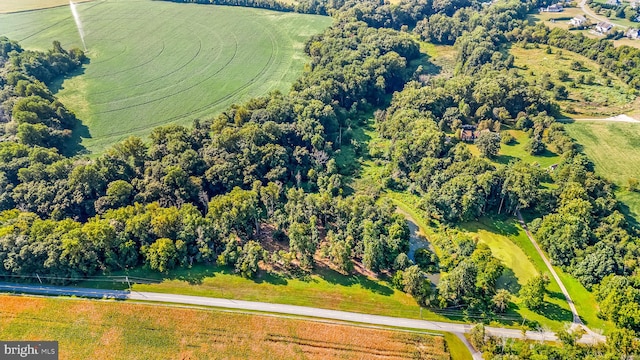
column 268, row 168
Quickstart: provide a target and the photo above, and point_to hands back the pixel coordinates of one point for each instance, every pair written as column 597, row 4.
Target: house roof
column 604, row 25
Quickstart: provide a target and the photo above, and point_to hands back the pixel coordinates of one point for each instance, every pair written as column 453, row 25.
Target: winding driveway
column 577, row 321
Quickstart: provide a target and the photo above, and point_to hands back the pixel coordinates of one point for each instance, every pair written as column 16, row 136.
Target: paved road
column 576, row 318
column 587, row 10
column 277, row 308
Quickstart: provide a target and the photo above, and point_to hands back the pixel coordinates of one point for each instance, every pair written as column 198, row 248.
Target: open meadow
column 116, row 330
column 594, row 96
column 613, row 147
column 150, row 67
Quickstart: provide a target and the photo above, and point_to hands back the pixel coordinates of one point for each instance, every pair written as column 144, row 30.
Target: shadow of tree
column 73, row 146
column 554, row 312
column 334, row 277
column 508, row 281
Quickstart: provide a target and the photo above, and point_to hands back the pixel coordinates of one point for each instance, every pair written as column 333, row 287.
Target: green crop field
column 7, row 6
column 111, row 330
column 155, row 63
column 613, row 147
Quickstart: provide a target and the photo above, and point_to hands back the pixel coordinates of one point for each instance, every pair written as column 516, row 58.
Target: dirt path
column 577, row 322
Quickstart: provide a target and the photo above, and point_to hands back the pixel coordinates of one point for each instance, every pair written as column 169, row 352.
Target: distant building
column 632, row 33
column 470, row 134
column 579, row 20
column 604, row 27
column 613, row 2
column 552, row 8
column 633, row 4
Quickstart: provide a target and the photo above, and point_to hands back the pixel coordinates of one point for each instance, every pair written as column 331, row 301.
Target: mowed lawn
column 614, row 149
column 119, row 330
column 509, row 243
column 325, row 289
column 156, row 62
column 518, row 151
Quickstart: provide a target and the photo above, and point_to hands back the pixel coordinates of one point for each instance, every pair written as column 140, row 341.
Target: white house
column 632, row 33
column 552, row 8
column 579, row 20
column 604, row 27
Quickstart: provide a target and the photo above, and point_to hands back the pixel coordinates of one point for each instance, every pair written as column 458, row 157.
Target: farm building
column 604, row 27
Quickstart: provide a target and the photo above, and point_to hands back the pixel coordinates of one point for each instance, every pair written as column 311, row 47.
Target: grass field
column 324, row 289
column 586, row 100
column 517, row 150
column 510, row 244
column 613, row 147
column 8, row 6
column 111, row 330
column 151, row 66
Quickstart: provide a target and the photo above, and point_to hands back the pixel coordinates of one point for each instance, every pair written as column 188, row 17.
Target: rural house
column 632, row 33
column 470, row 134
column 604, row 27
column 579, row 20
column 552, row 8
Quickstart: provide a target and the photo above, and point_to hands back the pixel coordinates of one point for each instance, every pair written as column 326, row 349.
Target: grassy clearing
column 585, row 302
column 517, row 150
column 149, row 67
column 520, row 268
column 509, row 243
column 631, row 203
column 442, row 57
column 456, row 348
column 584, row 100
column 108, row 330
column 613, row 147
column 324, row 289
column 9, row 6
